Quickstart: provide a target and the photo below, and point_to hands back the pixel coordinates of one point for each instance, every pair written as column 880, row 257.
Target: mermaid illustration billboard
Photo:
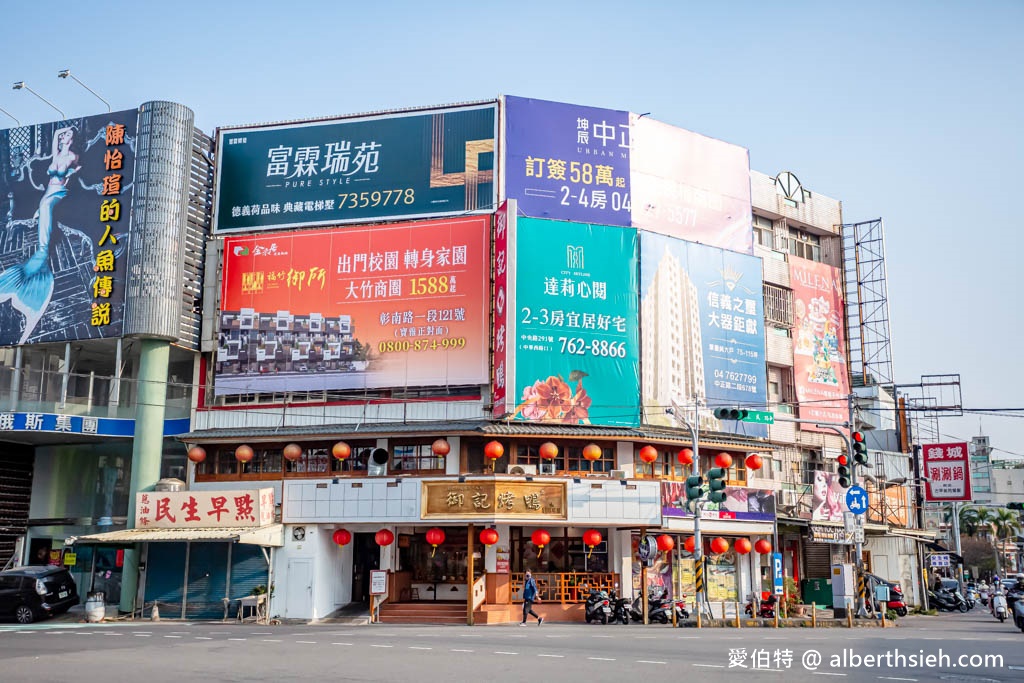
column 65, row 212
column 819, row 348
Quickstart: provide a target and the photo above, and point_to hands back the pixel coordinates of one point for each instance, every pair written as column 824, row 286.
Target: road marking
column 181, row 633
column 649, row 661
column 604, row 636
column 1014, row 668
column 894, row 678
column 141, row 631
column 337, row 633
column 556, row 636
column 711, row 666
column 688, row 637
column 238, row 639
column 555, row 656
column 461, row 650
column 268, row 640
column 172, row 636
column 378, row 645
column 503, row 652
column 278, row 641
column 203, row 638
column 219, row 633
column 303, row 642
column 141, row 635
column 413, row 647
column 469, row 635
column 820, row 673
column 644, row 637
column 602, row 659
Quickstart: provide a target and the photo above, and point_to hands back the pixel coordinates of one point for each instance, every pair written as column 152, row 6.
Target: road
column 177, row 651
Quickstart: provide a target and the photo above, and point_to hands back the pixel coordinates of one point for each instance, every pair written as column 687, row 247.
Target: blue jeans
column 528, row 610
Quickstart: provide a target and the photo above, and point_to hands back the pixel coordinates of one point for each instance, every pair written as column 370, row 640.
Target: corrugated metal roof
column 266, row 535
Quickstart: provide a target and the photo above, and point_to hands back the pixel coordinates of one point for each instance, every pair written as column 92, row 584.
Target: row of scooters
column 608, row 608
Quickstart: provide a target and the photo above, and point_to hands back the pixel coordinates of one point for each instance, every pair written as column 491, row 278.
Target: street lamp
column 66, row 73
column 4, row 111
column 20, row 85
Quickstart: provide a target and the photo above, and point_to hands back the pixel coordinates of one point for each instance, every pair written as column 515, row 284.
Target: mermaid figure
column 29, row 285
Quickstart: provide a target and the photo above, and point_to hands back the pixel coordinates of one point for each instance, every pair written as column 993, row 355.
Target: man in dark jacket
column 529, row 597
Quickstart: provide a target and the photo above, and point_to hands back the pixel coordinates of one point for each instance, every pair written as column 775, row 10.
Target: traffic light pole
column 698, row 508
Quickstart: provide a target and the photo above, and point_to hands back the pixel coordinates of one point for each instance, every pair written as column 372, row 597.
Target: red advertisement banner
column 948, row 471
column 383, row 306
column 819, row 347
column 500, row 374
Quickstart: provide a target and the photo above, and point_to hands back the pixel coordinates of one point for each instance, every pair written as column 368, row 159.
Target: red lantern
column 719, row 545
column 440, row 447
column 723, row 460
column 592, row 452
column 690, row 544
column 591, row 538
column 666, row 543
column 742, row 546
column 763, row 546
column 243, row 453
column 754, row 462
column 648, row 454
column 493, row 450
column 341, row 450
column 686, row 456
column 197, row 454
column 384, row 537
column 489, row 536
column 435, row 537
column 548, row 450
column 342, row 537
column 540, row 539
column 292, row 452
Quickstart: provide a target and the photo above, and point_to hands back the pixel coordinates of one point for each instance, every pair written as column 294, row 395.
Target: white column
column 624, row 458
column 620, row 555
column 451, row 461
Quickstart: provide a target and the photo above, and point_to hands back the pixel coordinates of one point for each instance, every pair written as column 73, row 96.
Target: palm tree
column 1005, row 525
column 968, row 521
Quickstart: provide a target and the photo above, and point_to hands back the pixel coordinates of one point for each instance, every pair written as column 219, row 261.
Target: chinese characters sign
column 567, row 162
column 388, row 306
column 500, row 346
column 204, row 509
column 573, row 323
column 81, row 424
column 65, row 226
column 819, row 348
column 710, row 303
column 493, row 499
column 358, row 169
column 947, row 466
column 592, row 165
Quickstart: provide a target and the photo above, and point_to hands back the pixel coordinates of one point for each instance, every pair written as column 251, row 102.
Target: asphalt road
column 212, row 651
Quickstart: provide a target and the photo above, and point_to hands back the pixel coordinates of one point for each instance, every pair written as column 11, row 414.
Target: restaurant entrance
column 365, row 558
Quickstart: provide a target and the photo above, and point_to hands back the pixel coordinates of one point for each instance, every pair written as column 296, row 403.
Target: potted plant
column 794, row 608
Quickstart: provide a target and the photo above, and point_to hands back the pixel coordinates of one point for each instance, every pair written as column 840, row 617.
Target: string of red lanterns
column 665, row 543
column 540, row 538
column 493, row 450
column 592, row 452
column 719, row 545
column 341, row 450
column 686, row 456
column 435, row 537
column 292, row 452
column 243, row 454
column 648, row 454
column 342, row 537
column 548, row 450
column 723, row 460
column 591, row 538
column 384, row 537
column 440, row 447
column 755, row 462
column 489, row 536
column 764, row 546
column 197, row 454
column 742, row 545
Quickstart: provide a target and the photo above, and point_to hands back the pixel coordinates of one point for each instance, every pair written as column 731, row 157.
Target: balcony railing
column 564, row 587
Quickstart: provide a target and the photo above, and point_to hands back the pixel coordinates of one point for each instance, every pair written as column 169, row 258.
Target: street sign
column 940, row 560
column 764, row 417
column 777, row 585
column 857, row 500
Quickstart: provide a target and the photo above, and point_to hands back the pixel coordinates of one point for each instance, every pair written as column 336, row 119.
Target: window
column 778, row 305
column 804, row 244
column 764, row 232
column 667, row 466
column 409, row 458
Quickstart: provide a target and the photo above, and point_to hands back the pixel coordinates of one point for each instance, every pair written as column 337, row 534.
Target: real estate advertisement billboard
column 66, row 189
column 702, row 314
column 819, row 348
column 357, row 169
column 572, row 323
column 388, row 306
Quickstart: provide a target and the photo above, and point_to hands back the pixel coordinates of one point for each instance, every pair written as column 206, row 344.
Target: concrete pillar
column 624, row 458
column 452, row 460
column 147, row 446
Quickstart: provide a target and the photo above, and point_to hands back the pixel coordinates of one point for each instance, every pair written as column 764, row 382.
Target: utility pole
column 858, row 545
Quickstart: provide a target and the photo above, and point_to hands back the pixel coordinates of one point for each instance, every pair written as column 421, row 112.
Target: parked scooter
column 765, row 608
column 620, row 608
column 946, row 601
column 999, row 606
column 657, row 610
column 598, row 607
column 896, row 602
column 681, row 611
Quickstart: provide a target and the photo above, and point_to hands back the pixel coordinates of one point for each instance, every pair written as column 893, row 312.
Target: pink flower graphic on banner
column 553, row 400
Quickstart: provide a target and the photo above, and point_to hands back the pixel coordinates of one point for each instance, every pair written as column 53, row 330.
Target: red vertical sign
column 947, row 467
column 499, row 372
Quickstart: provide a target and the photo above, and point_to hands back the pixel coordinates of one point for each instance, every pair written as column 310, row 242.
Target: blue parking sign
column 857, row 500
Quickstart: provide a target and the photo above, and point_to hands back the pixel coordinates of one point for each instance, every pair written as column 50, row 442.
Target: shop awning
column 267, row 536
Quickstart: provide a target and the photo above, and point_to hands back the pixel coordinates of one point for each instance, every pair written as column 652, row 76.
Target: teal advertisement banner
column 575, row 315
column 360, row 169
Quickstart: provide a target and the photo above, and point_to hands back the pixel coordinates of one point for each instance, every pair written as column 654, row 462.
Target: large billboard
column 356, row 170
column 572, row 323
column 388, row 306
column 702, row 314
column 567, row 162
column 828, row 497
column 819, row 349
column 948, row 471
column 741, row 503
column 66, row 189
column 690, row 186
column 587, row 164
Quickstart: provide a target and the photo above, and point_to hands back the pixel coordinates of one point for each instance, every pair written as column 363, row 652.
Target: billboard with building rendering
column 702, row 314
column 65, row 217
column 358, row 169
column 399, row 305
column 820, row 373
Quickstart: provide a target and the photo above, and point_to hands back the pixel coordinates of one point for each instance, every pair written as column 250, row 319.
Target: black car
column 28, row 593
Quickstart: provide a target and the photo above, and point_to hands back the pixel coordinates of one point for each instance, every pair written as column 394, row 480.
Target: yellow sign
column 70, row 559
column 494, row 499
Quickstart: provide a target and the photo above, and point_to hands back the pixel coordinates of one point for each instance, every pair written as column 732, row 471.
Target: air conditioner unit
column 522, row 469
column 547, row 468
column 618, row 474
column 790, row 498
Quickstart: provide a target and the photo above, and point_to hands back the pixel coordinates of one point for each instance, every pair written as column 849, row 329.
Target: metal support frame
column 867, row 303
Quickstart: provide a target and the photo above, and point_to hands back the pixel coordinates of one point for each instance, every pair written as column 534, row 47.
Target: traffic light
column 716, row 484
column 1015, row 506
column 693, row 487
column 844, row 475
column 860, row 449
column 730, row 413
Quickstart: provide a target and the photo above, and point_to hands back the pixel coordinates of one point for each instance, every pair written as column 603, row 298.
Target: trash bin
column 95, row 607
column 817, row 591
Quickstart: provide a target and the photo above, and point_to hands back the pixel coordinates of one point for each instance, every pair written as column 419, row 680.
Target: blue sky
column 910, row 111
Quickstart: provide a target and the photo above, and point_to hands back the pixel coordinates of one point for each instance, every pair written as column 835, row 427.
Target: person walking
column 529, row 597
